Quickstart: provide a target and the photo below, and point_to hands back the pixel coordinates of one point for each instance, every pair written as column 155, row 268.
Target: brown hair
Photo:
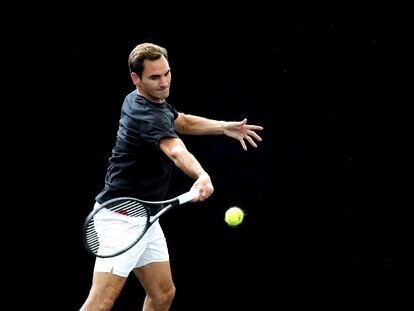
column 142, row 52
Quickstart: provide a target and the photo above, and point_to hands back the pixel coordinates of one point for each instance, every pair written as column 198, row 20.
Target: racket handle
column 188, row 196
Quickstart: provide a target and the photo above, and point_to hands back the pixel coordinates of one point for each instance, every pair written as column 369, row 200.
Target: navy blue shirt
column 137, row 167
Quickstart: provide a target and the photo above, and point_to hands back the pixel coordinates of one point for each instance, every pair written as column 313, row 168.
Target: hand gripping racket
column 118, row 224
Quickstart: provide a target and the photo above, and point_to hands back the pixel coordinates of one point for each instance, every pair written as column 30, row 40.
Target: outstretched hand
column 242, row 131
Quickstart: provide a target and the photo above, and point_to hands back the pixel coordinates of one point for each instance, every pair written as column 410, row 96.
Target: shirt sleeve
column 158, row 124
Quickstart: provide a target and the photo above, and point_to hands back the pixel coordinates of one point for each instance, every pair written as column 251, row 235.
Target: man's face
column 156, row 79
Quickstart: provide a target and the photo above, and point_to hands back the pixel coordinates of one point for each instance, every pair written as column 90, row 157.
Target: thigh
column 151, row 248
column 107, row 284
column 155, row 277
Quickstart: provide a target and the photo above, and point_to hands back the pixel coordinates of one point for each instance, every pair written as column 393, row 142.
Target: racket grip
column 188, row 196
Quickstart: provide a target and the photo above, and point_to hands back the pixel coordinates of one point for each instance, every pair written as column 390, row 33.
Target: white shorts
column 151, row 248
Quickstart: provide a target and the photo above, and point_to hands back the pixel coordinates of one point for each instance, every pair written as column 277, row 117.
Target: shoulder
column 172, row 109
column 133, row 102
column 131, row 95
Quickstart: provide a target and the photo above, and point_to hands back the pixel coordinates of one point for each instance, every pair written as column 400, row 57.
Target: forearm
column 195, row 125
column 185, row 161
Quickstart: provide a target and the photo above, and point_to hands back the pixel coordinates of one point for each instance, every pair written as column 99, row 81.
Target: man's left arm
column 240, row 130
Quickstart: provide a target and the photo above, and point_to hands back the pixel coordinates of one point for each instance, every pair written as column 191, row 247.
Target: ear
column 135, row 78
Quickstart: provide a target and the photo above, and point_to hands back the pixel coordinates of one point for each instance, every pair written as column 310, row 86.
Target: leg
column 157, row 281
column 104, row 291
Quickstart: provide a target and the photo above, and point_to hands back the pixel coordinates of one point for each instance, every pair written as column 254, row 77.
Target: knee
column 171, row 293
column 168, row 295
column 164, row 298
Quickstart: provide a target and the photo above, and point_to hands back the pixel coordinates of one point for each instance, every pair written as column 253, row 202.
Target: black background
column 327, row 193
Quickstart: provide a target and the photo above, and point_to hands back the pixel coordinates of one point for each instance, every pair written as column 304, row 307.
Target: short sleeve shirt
column 137, row 166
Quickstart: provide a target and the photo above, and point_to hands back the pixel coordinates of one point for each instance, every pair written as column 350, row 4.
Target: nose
column 164, row 81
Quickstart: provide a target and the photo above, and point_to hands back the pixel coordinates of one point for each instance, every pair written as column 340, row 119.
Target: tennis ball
column 234, row 216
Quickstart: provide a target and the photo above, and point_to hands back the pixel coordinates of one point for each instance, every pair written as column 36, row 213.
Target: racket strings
column 116, row 227
column 129, row 208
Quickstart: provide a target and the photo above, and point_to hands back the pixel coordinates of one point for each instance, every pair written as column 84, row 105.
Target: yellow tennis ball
column 234, row 216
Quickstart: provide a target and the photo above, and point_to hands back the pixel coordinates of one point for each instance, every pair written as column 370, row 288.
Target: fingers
column 205, row 194
column 254, row 134
column 243, row 144
column 247, row 131
column 251, row 141
column 254, row 127
column 205, row 191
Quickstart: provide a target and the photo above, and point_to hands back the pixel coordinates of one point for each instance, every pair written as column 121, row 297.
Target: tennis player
column 146, row 149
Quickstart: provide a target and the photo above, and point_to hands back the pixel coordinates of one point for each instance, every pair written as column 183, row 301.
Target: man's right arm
column 175, row 149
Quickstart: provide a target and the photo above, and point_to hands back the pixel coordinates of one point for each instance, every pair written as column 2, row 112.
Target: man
column 146, row 148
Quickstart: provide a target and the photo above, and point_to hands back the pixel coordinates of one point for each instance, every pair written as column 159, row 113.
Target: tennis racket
column 118, row 224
